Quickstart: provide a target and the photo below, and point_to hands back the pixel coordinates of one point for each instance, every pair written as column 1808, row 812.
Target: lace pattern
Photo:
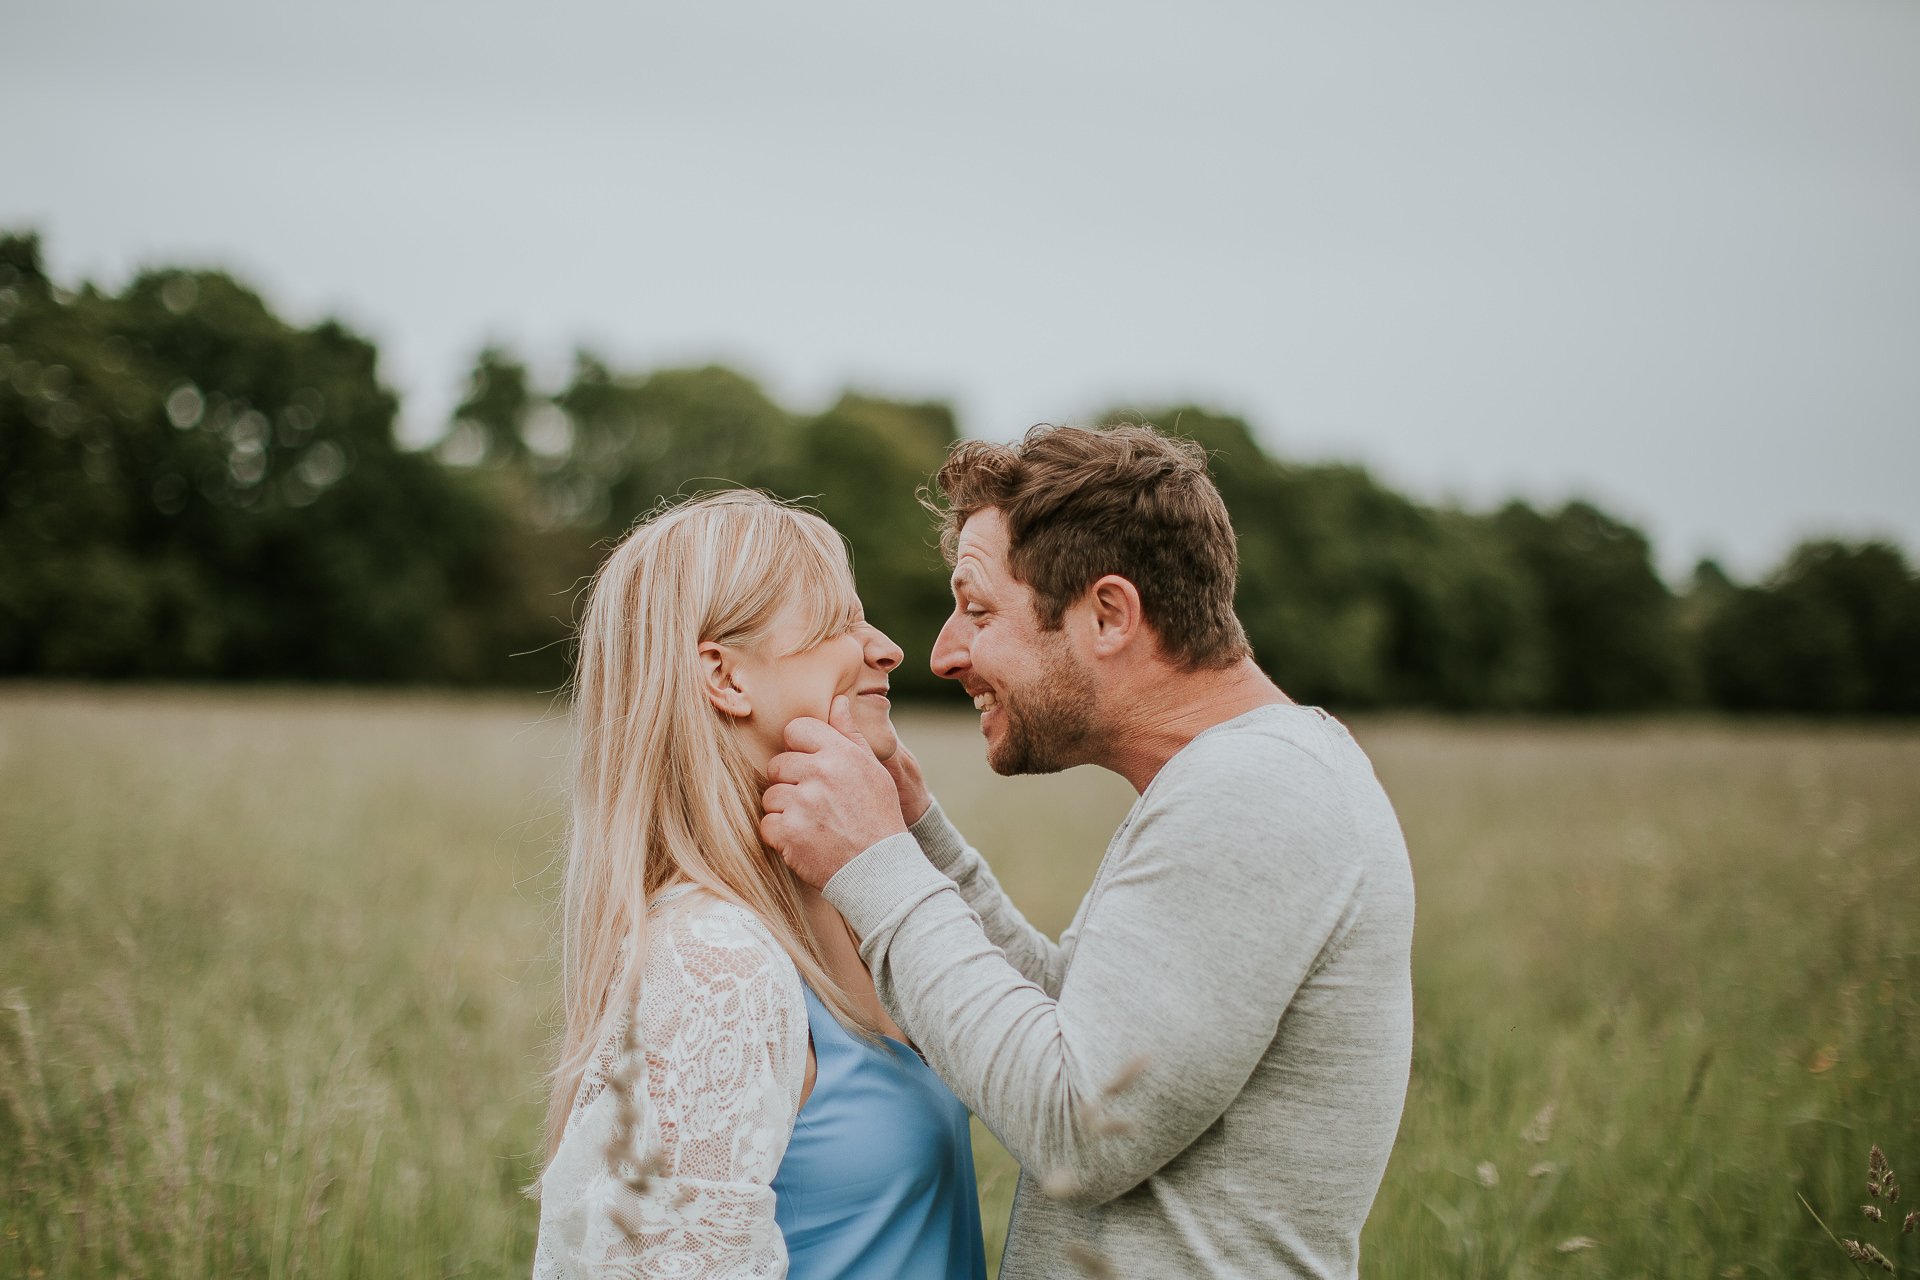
column 723, row 1036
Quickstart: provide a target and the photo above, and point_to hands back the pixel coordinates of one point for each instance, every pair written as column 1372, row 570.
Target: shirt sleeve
column 1208, row 917
column 1037, row 957
column 678, row 1183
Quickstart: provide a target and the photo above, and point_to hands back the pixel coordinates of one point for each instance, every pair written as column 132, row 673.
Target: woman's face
column 782, row 686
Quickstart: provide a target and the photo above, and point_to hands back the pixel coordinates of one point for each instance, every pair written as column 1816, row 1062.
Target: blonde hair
column 663, row 789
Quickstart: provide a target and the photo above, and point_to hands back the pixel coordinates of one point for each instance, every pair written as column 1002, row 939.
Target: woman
column 737, row 1102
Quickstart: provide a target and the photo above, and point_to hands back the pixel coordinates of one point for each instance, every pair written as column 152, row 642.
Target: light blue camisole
column 877, row 1182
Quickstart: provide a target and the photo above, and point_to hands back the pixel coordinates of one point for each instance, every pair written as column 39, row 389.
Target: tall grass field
column 276, row 978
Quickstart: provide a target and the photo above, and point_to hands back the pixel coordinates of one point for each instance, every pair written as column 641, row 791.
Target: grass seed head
column 1913, row 1220
column 1873, row 1212
column 1488, row 1173
column 1576, row 1244
column 1879, row 1172
column 1867, row 1253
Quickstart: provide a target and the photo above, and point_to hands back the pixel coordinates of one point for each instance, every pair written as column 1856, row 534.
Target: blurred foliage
column 195, row 488
column 191, row 487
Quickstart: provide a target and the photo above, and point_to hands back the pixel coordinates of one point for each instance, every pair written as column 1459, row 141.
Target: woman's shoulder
column 709, row 939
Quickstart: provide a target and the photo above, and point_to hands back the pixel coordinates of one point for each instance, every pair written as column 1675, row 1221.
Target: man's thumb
column 840, row 716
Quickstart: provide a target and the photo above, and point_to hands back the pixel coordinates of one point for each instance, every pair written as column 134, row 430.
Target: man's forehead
column 980, row 552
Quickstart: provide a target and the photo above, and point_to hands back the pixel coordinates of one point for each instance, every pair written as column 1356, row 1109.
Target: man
column 1205, row 1074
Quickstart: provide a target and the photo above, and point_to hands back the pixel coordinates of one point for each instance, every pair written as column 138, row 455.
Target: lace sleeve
column 722, row 1030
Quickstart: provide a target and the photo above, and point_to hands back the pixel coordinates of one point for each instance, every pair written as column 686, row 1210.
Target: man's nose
column 949, row 659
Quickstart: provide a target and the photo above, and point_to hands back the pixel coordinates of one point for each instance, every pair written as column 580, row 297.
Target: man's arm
column 1191, row 948
column 1036, row 956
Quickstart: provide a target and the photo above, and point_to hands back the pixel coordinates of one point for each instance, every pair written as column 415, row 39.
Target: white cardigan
column 723, row 1037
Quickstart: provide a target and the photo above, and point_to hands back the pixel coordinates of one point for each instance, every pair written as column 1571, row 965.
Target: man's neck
column 1163, row 714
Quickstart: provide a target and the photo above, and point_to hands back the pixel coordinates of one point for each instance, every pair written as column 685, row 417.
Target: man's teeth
column 984, row 701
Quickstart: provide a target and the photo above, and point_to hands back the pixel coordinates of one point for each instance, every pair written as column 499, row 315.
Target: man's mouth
column 985, row 701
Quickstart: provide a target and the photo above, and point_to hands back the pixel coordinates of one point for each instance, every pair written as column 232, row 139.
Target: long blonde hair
column 663, row 789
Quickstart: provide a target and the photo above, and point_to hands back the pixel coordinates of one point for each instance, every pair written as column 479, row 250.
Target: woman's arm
column 676, row 1180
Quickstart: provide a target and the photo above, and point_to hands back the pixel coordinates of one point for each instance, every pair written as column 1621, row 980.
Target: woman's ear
column 719, row 669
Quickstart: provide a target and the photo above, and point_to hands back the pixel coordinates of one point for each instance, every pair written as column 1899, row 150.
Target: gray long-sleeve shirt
column 1205, row 1074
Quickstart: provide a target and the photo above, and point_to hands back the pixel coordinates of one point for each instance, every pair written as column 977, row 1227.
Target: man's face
column 1033, row 691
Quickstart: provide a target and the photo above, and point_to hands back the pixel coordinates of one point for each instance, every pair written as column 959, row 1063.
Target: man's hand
column 910, row 783
column 827, row 798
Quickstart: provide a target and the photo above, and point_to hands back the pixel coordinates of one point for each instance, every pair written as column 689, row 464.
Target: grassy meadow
column 274, row 970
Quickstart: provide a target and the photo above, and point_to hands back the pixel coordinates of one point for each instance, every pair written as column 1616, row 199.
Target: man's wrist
column 916, row 809
column 884, row 881
column 938, row 839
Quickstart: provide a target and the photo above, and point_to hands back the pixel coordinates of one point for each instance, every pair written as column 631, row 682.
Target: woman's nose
column 882, row 652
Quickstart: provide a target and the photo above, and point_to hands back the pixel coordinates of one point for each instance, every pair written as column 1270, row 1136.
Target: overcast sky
column 1662, row 253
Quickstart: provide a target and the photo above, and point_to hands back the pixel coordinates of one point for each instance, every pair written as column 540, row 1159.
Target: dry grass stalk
column 1540, row 1128
column 30, row 1051
column 1576, row 1244
column 1061, row 1184
column 634, row 1169
column 1097, row 1113
column 1090, row 1261
column 1881, row 1185
column 1128, row 1076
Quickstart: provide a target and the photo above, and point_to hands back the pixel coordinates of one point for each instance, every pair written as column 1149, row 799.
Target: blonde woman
column 731, row 1099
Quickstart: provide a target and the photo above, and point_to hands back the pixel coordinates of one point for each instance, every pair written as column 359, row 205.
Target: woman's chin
column 878, row 731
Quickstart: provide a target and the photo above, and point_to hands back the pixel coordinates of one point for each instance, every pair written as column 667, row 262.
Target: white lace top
column 716, row 1087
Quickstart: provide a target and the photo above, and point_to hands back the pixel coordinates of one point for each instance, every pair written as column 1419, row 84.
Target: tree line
column 192, row 487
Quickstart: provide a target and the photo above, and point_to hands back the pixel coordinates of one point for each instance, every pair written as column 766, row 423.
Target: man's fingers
column 773, row 831
column 779, row 797
column 804, row 733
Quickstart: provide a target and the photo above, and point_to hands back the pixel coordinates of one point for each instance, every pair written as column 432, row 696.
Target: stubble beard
column 1050, row 722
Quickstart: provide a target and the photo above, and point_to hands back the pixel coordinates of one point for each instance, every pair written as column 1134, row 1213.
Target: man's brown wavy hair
column 1083, row 502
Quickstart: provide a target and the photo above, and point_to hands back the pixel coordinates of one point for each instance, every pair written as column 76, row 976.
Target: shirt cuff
column 884, row 883
column 942, row 841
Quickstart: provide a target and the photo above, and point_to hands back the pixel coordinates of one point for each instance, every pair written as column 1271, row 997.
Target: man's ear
column 720, row 678
column 1113, row 606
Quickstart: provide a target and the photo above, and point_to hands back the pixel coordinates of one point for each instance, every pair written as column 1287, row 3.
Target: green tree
column 197, row 488
column 1613, row 642
column 1835, row 630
